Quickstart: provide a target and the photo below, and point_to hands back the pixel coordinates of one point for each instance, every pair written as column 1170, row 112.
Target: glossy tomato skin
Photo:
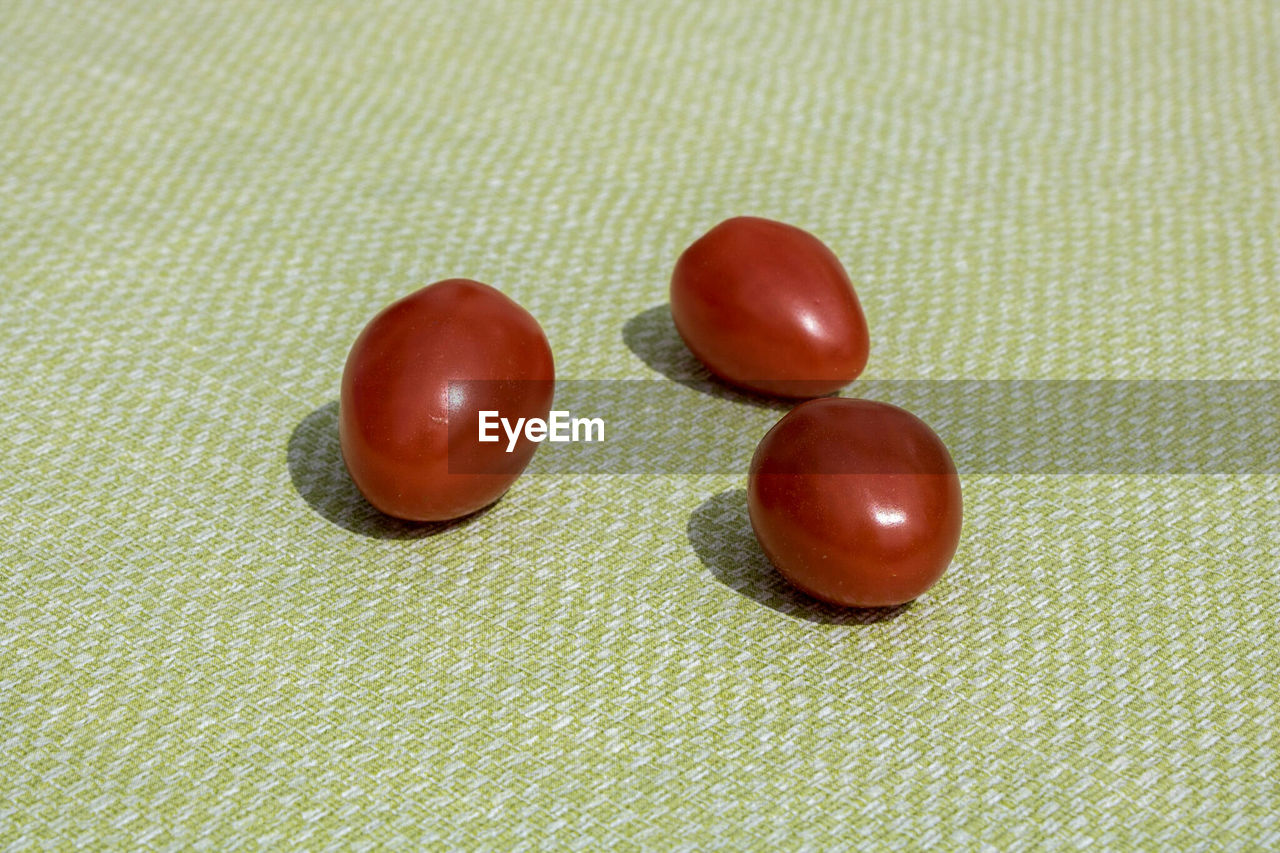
column 768, row 307
column 855, row 502
column 414, row 383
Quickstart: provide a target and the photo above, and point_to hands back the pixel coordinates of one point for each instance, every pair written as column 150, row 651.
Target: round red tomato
column 768, row 307
column 414, row 385
column 855, row 502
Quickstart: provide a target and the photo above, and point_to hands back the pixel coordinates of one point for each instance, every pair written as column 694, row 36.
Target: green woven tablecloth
column 205, row 639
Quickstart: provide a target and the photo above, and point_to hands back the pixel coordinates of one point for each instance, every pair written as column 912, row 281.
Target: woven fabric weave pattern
column 207, row 641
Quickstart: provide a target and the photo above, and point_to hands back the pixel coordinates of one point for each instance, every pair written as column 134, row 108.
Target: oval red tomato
column 414, row 384
column 855, row 502
column 768, row 307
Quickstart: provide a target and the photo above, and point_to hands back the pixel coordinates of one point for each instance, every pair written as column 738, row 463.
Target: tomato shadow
column 721, row 535
column 652, row 336
column 320, row 477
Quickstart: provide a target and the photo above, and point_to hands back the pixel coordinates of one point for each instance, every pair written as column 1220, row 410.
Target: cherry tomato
column 768, row 307
column 409, row 426
column 855, row 502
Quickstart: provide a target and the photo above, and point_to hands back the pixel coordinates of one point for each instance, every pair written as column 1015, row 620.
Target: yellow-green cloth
column 207, row 642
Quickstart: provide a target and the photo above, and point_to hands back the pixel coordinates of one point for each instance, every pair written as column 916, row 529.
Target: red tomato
column 855, row 502
column 409, row 427
column 768, row 307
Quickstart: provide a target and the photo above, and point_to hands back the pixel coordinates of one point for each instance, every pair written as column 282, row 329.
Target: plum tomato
column 855, row 502
column 768, row 307
column 414, row 382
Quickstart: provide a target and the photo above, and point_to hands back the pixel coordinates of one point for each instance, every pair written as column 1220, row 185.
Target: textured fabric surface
column 207, row 641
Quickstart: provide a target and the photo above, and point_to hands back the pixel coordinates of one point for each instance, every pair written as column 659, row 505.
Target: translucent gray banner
column 990, row 426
